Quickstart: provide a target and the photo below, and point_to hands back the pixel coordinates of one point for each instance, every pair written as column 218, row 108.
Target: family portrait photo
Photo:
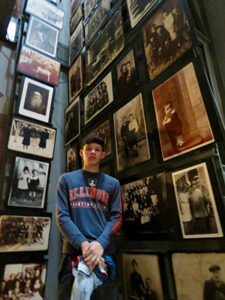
column 76, row 43
column 75, row 19
column 72, row 162
column 75, row 79
column 72, row 121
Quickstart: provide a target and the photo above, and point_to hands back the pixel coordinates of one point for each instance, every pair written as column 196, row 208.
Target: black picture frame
column 72, row 121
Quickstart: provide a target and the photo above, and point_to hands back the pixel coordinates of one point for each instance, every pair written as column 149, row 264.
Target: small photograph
column 24, row 233
column 23, row 281
column 131, row 137
column 127, row 76
column 182, row 119
column 31, row 138
column 166, row 37
column 72, row 121
column 96, row 20
column 138, row 8
column 74, row 5
column 99, row 98
column 75, row 19
column 38, row 65
column 199, row 275
column 196, row 203
column 76, row 42
column 75, row 79
column 105, row 48
column 72, row 162
column 141, row 277
column 29, row 183
column 42, row 37
column 36, row 100
column 88, row 6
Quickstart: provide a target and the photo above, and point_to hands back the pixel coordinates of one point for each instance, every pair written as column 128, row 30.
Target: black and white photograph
column 24, row 233
column 88, row 6
column 196, row 203
column 166, row 37
column 72, row 162
column 75, row 19
column 31, row 138
column 99, row 98
column 72, row 121
column 74, row 5
column 76, row 43
column 46, row 11
column 145, row 205
column 42, row 37
column 22, row 281
column 127, row 75
column 36, row 100
column 131, row 137
column 137, row 9
column 29, row 183
column 141, row 277
column 199, row 275
column 97, row 20
column 75, row 79
column 105, row 48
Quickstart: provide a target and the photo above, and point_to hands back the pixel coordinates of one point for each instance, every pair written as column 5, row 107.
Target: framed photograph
column 99, row 17
column 42, row 37
column 72, row 121
column 182, row 120
column 46, row 11
column 75, row 19
column 99, row 98
column 166, row 37
column 141, row 276
column 137, row 9
column 199, row 275
column 76, row 42
column 23, row 280
column 74, row 5
column 72, row 161
column 131, row 137
column 38, row 66
column 24, row 233
column 32, row 138
column 196, row 203
column 88, row 6
column 75, row 79
column 127, row 76
column 36, row 100
column 105, row 48
column 29, row 183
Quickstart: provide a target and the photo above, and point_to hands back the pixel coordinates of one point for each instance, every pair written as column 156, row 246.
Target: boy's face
column 92, row 154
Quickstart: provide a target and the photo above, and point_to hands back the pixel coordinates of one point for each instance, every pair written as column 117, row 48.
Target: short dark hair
column 93, row 139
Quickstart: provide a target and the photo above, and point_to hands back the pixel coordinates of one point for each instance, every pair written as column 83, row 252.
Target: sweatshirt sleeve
column 115, row 217
column 63, row 215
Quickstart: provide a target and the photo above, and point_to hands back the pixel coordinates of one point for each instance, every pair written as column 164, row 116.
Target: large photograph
column 32, row 138
column 166, row 37
column 196, row 203
column 182, row 119
column 29, row 183
column 24, row 233
column 99, row 98
column 75, row 19
column 88, row 6
column 72, row 161
column 76, row 43
column 72, row 121
column 131, row 137
column 75, row 79
column 141, row 277
column 199, row 276
column 105, row 48
column 38, row 65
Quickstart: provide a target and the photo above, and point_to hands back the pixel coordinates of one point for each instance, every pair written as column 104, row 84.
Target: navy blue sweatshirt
column 88, row 208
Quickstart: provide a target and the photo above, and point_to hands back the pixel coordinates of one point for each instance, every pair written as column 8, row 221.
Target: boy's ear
column 81, row 152
column 103, row 154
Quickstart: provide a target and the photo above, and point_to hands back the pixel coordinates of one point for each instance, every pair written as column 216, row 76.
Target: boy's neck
column 92, row 169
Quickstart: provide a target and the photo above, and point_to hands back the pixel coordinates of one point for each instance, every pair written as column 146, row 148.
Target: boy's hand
column 93, row 254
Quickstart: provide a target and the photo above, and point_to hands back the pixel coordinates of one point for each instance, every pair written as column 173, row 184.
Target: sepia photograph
column 88, row 6
column 42, row 37
column 72, row 161
column 76, row 43
column 131, row 137
column 31, row 138
column 99, row 98
column 145, row 205
column 75, row 79
column 166, row 37
column 196, row 203
column 137, row 9
column 74, row 5
column 97, row 20
column 141, row 277
column 22, row 281
column 127, row 75
column 199, row 275
column 46, row 11
column 75, row 19
column 24, row 233
column 72, row 121
column 182, row 120
column 105, row 48
column 29, row 183
column 38, row 65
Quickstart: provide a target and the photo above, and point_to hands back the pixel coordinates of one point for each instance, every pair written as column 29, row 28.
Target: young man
column 88, row 213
